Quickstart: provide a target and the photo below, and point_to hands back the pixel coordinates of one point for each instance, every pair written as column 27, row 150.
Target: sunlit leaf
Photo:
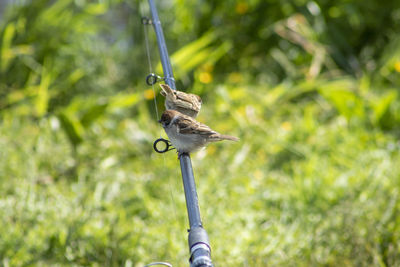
column 6, row 52
column 72, row 127
column 196, row 53
column 96, row 9
column 93, row 113
column 382, row 105
column 340, row 95
column 42, row 98
column 123, row 100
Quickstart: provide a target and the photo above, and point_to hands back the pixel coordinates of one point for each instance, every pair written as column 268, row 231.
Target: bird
column 187, row 104
column 188, row 135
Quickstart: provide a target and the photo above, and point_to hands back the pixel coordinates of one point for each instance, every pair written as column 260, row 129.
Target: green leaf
column 196, row 53
column 6, row 52
column 96, row 9
column 93, row 113
column 72, row 127
column 381, row 110
column 186, row 52
column 382, row 105
column 42, row 99
column 339, row 94
column 124, row 100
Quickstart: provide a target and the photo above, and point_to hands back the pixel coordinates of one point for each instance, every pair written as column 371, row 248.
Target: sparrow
column 188, row 104
column 188, row 135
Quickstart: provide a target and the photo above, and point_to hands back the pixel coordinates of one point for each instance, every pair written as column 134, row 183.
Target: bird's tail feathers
column 228, row 137
column 166, row 90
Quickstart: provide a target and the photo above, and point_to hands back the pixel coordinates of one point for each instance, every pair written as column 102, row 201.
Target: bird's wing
column 188, row 125
column 187, row 101
column 183, row 100
column 183, row 96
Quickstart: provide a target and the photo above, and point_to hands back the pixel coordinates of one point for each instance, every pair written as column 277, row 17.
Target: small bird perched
column 187, row 104
column 188, row 135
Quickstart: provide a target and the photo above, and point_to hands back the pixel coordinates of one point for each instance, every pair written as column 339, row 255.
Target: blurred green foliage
column 310, row 87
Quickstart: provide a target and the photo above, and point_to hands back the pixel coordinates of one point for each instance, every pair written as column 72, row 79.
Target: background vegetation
column 310, row 87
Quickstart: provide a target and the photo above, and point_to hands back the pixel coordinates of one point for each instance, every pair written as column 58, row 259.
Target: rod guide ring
column 146, row 21
column 167, row 144
column 152, row 79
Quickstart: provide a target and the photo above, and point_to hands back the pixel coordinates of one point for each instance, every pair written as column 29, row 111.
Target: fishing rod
column 199, row 246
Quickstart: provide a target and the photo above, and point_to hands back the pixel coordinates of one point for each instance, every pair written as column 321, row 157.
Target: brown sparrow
column 188, row 135
column 188, row 104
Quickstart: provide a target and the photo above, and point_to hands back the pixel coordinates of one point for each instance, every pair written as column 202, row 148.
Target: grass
column 301, row 188
column 314, row 180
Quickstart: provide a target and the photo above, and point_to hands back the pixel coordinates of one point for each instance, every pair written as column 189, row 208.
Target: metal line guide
column 167, row 144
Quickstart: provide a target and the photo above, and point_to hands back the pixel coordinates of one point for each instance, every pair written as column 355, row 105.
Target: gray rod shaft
column 186, row 165
column 192, row 203
column 162, row 47
column 200, row 252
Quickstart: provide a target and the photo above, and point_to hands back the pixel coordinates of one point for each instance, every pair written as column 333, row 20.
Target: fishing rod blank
column 200, row 250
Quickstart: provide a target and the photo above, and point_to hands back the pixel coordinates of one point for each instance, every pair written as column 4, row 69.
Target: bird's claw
column 180, row 154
